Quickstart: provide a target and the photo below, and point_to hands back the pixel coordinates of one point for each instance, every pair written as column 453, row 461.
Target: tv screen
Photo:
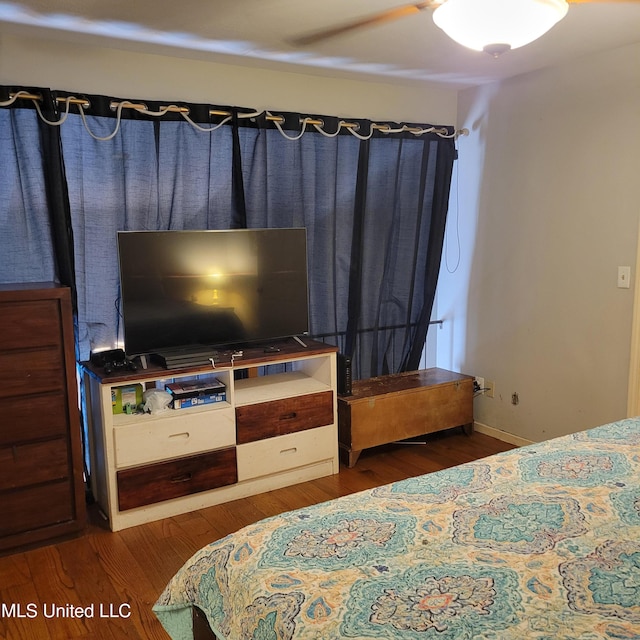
column 183, row 288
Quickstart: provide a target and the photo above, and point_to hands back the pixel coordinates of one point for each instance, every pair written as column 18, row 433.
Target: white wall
column 79, row 68
column 548, row 196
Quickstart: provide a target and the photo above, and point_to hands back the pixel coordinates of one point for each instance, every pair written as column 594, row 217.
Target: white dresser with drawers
column 276, row 426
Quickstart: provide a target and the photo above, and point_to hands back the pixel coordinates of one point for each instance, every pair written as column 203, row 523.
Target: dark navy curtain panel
column 26, row 237
column 374, row 207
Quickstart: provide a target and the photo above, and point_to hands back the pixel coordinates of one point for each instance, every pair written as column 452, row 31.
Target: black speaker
column 344, row 375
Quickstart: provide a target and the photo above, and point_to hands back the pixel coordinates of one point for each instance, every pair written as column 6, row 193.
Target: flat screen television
column 185, row 288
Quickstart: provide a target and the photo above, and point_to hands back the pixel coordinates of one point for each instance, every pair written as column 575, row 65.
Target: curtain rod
column 86, row 104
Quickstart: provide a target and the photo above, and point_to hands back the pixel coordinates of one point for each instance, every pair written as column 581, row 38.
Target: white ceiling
column 259, row 32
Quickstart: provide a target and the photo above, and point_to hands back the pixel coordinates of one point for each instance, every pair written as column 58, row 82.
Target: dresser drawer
column 280, row 417
column 173, row 436
column 25, row 419
column 28, row 324
column 152, row 483
column 35, row 507
column 285, row 452
column 30, row 464
column 36, row 371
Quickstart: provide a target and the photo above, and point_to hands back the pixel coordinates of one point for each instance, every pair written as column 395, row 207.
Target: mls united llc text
column 51, row 611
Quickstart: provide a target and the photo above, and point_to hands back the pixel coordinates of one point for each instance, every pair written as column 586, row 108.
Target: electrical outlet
column 489, row 389
column 478, row 384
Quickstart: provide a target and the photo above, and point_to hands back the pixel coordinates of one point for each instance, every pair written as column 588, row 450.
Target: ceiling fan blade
column 376, row 18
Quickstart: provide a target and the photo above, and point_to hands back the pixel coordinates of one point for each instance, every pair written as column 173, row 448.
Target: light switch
column 624, row 276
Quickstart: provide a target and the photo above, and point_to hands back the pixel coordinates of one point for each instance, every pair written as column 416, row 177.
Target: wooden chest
column 398, row 406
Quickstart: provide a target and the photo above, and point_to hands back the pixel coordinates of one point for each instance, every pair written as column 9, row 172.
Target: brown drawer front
column 25, row 419
column 29, row 464
column 24, row 325
column 27, row 509
column 279, row 417
column 31, row 372
column 166, row 480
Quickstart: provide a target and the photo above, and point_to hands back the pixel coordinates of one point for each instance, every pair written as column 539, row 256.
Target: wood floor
column 117, row 577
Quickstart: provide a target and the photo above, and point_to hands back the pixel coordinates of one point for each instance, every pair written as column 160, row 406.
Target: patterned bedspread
column 541, row 542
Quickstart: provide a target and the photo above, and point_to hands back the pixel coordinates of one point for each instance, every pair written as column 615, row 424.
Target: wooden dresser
column 41, row 471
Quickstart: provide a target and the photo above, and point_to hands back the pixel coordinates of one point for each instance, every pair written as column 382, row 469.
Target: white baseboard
column 501, row 435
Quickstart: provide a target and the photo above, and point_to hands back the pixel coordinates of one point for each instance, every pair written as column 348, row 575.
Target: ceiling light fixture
column 496, row 26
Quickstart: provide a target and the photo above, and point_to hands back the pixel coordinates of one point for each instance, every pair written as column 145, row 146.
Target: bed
column 541, row 542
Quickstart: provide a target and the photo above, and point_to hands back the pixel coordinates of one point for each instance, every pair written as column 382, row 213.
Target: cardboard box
column 195, row 401
column 194, row 393
column 126, row 399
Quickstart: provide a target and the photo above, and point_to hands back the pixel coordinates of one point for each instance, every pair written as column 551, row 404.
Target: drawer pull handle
column 289, row 451
column 183, row 477
column 184, row 435
column 289, row 416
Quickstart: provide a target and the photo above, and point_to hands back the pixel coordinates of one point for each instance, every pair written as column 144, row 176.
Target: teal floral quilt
column 537, row 543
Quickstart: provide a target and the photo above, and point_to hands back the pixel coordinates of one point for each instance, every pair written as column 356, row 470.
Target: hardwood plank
column 14, row 570
column 171, row 543
column 132, row 566
column 56, row 587
column 198, row 529
column 21, row 624
column 93, row 586
column 231, row 516
column 127, row 574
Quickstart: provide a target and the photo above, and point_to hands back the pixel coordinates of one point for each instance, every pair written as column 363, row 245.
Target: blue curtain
column 308, row 183
column 26, row 240
column 375, row 212
column 374, row 208
column 150, row 176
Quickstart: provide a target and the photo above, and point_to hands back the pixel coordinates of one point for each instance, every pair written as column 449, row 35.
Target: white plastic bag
column 156, row 400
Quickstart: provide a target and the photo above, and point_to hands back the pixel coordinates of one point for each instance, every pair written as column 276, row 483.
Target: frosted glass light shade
column 498, row 25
